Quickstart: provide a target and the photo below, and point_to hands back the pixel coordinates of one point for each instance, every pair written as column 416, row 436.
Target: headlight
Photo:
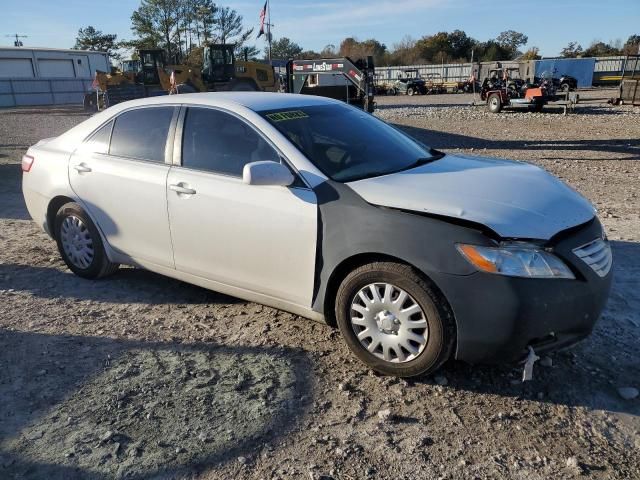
column 515, row 260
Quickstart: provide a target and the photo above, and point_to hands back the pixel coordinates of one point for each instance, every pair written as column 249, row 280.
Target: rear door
column 120, row 174
column 258, row 238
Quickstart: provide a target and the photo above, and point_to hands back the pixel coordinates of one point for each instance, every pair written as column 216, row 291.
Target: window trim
column 178, row 141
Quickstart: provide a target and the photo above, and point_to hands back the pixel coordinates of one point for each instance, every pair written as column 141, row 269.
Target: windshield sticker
column 282, row 116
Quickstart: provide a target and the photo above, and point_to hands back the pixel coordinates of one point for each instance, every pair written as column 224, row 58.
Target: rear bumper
column 498, row 317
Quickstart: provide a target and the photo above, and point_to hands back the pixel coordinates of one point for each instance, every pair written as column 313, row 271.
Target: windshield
column 347, row 144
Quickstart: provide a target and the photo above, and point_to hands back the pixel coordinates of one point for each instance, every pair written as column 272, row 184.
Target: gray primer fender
column 350, row 226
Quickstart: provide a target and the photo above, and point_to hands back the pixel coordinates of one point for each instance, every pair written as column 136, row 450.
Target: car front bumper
column 498, row 317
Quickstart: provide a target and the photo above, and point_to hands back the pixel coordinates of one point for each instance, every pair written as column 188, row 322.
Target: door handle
column 82, row 168
column 180, row 188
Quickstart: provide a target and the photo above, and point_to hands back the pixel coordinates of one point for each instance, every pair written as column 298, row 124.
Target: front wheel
column 80, row 244
column 410, row 92
column 393, row 321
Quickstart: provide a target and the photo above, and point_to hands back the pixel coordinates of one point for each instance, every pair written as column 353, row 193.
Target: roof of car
column 256, row 101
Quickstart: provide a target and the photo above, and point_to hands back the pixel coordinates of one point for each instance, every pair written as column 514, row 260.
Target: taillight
column 27, row 162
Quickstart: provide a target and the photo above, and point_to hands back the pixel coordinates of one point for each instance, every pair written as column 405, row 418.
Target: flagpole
column 269, row 29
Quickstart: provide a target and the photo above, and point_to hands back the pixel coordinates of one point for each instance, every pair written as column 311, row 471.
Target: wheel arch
column 52, row 209
column 54, row 205
column 349, row 264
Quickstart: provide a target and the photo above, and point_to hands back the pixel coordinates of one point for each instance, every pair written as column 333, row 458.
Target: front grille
column 597, row 255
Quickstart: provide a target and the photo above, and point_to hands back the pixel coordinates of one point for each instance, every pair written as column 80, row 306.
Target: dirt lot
column 139, row 376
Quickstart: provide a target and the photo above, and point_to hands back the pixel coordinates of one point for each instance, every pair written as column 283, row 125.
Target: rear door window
column 142, row 133
column 219, row 142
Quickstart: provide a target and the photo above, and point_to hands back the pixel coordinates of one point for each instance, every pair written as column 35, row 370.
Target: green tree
column 353, row 48
column 632, row 45
column 601, row 49
column 435, row 48
column 461, row 45
column 228, row 28
column 155, row 23
column 492, row 51
column 203, row 18
column 283, row 49
column 572, row 50
column 91, row 39
column 511, row 41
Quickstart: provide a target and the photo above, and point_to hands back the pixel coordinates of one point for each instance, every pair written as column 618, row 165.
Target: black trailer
column 358, row 88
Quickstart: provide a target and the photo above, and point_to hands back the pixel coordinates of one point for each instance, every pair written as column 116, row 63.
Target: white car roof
column 233, row 101
column 255, row 101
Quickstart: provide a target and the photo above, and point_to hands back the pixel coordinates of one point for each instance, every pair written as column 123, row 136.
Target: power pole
column 17, row 42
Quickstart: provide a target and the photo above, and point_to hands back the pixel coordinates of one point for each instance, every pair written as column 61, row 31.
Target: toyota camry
column 312, row 206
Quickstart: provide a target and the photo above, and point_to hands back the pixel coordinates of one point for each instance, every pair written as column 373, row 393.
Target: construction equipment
column 339, row 78
column 222, row 72
column 137, row 78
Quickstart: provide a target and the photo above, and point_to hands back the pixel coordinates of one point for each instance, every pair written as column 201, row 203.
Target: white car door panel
column 127, row 199
column 259, row 238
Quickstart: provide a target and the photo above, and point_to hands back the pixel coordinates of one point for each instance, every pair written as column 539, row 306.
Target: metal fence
column 448, row 71
column 31, row 91
column 462, row 71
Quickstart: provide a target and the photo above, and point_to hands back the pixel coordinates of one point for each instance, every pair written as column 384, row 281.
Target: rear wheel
column 393, row 321
column 410, row 91
column 80, row 244
column 494, row 103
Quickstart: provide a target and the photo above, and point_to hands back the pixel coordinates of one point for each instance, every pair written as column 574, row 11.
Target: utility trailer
column 358, row 89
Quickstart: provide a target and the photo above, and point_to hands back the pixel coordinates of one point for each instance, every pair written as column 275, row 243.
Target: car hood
column 515, row 200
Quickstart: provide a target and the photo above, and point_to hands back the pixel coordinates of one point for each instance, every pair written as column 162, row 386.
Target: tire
column 88, row 261
column 392, row 91
column 494, row 103
column 565, row 87
column 438, row 338
column 410, row 91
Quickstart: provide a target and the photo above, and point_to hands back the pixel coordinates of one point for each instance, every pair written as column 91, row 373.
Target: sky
column 549, row 24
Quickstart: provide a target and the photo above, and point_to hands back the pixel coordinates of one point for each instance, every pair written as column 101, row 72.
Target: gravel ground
column 139, row 376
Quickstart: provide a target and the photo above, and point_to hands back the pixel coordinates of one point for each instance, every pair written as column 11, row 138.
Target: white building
column 47, row 76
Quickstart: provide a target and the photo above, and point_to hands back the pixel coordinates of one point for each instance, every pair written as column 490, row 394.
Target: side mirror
column 267, row 173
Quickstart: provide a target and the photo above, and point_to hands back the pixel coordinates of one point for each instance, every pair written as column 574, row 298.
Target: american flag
column 263, row 14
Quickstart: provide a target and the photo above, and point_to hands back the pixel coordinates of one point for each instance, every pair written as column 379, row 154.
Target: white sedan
column 312, row 206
